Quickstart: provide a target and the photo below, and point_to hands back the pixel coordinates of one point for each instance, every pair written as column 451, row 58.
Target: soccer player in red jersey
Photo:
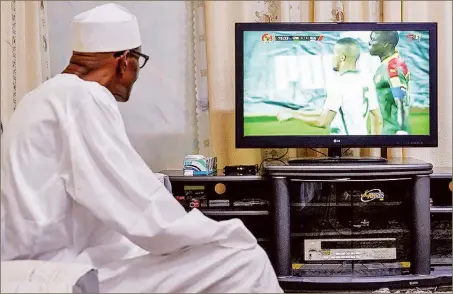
column 392, row 83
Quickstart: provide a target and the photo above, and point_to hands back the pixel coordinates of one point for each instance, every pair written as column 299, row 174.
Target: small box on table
column 199, row 165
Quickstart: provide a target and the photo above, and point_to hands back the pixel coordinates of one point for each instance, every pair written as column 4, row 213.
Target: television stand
column 334, row 156
column 305, row 195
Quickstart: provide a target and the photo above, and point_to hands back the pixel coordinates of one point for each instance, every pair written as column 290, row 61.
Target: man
column 74, row 189
column 349, row 100
column 392, row 83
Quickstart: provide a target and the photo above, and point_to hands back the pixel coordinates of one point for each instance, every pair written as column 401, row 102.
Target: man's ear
column 123, row 62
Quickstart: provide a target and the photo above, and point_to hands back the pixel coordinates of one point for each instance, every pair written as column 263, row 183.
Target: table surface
column 396, row 163
column 178, row 175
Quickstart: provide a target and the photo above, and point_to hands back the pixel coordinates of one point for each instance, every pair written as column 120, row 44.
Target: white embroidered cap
column 105, row 28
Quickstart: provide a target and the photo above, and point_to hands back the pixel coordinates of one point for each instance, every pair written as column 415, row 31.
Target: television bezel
column 333, row 141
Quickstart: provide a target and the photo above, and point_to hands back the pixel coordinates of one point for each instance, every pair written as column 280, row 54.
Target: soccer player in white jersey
column 350, row 99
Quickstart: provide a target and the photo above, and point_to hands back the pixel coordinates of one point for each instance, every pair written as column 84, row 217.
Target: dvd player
column 350, row 249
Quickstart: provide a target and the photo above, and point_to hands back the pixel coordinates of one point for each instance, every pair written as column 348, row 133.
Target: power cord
column 270, row 159
column 346, row 151
column 322, row 153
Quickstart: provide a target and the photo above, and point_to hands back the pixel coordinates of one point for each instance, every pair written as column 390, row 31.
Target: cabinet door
column 351, row 227
column 382, row 217
column 319, row 218
column 441, row 239
column 441, row 223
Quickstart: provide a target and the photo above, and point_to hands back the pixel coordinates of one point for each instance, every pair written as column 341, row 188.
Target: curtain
column 25, row 52
column 218, row 23
column 201, row 78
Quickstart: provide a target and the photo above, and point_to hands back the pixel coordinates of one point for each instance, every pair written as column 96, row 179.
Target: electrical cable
column 322, row 153
column 270, row 159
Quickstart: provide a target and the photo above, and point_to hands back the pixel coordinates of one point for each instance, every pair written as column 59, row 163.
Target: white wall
column 160, row 116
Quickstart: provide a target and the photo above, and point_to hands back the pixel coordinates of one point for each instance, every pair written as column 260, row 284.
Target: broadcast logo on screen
column 267, row 38
column 414, row 37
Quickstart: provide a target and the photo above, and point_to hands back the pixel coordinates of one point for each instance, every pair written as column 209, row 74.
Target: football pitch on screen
column 270, row 126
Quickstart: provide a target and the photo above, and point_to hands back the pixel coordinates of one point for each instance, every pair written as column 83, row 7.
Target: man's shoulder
column 396, row 61
column 367, row 80
column 61, row 86
column 395, row 65
column 70, row 89
column 356, row 80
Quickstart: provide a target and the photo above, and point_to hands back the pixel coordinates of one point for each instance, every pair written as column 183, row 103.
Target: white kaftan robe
column 74, row 190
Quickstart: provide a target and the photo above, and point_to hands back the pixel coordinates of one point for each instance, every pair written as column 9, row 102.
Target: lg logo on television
column 336, row 141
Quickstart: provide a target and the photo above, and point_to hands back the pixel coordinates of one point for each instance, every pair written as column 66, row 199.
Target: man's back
column 74, row 190
column 352, row 98
column 40, row 220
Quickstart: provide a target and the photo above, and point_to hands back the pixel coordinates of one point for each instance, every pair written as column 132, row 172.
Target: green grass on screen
column 270, row 126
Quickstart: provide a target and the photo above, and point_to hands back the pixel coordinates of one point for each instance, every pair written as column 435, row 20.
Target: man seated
column 74, row 189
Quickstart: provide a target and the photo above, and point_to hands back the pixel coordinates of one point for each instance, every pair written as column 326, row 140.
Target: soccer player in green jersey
column 392, row 83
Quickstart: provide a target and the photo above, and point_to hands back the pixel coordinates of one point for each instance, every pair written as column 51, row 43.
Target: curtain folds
column 25, row 52
column 201, row 78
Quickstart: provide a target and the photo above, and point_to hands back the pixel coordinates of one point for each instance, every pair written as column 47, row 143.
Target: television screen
column 340, row 83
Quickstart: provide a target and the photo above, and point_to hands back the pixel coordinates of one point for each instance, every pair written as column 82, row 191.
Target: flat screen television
column 336, row 85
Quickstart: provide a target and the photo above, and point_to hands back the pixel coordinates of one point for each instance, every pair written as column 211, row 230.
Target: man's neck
column 348, row 68
column 76, row 69
column 100, row 76
column 387, row 55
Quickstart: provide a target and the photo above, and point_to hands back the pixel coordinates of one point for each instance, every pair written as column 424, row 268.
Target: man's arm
column 107, row 176
column 322, row 120
column 290, row 113
column 376, row 121
column 399, row 80
column 308, row 112
column 375, row 111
